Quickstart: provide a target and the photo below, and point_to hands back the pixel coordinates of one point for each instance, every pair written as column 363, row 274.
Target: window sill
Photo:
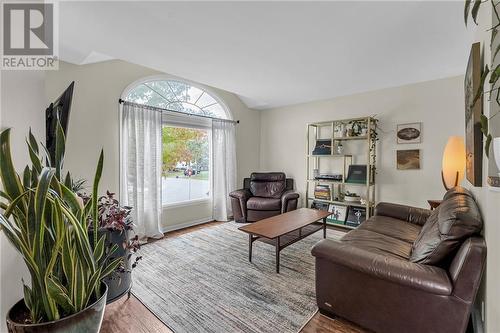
column 188, row 203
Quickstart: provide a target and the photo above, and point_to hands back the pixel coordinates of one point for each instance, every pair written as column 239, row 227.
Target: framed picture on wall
column 409, row 133
column 473, row 111
column 408, row 159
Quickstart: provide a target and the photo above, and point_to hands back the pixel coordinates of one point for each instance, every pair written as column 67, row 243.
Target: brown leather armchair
column 405, row 269
column 263, row 195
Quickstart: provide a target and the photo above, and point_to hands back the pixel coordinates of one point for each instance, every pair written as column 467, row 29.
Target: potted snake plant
column 46, row 222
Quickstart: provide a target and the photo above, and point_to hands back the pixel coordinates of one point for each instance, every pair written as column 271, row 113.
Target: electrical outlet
column 482, row 311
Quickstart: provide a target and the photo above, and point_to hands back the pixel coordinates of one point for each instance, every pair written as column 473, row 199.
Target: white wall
column 94, row 124
column 437, row 104
column 23, row 105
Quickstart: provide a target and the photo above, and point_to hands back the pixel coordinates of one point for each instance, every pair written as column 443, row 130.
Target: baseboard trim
column 185, row 224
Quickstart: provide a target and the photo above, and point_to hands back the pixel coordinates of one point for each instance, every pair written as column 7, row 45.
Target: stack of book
column 322, row 192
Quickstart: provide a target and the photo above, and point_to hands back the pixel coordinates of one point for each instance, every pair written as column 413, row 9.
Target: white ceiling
column 274, row 53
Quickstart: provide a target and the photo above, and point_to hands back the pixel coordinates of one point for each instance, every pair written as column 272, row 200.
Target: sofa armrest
column 426, row 278
column 285, row 198
column 410, row 214
column 243, row 194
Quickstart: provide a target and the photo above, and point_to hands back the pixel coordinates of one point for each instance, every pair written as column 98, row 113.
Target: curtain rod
column 121, row 101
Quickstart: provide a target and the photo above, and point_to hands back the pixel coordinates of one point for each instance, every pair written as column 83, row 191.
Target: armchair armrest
column 243, row 194
column 426, row 278
column 410, row 214
column 287, row 196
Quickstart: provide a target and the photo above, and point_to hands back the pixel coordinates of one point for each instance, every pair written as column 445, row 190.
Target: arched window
column 186, row 141
column 177, row 96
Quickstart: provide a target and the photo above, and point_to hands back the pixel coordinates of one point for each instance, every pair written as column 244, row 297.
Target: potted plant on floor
column 46, row 222
column 115, row 224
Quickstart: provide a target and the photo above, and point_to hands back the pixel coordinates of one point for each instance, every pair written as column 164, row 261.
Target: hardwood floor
column 131, row 316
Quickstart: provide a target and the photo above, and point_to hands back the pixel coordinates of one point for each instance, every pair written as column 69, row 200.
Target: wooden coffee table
column 285, row 229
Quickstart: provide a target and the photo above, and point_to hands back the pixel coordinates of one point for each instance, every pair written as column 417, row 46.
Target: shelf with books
column 326, row 146
column 344, row 203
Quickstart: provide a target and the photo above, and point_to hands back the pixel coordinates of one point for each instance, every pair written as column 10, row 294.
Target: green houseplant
column 47, row 223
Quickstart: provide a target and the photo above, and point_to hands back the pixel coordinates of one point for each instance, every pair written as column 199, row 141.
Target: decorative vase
column 340, row 149
column 88, row 320
column 496, row 152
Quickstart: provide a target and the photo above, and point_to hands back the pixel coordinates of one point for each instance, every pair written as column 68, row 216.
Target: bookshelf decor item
column 323, row 147
column 332, row 173
column 356, row 216
column 339, row 214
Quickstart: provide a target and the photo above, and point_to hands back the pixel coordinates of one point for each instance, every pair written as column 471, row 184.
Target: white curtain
column 224, row 167
column 140, row 167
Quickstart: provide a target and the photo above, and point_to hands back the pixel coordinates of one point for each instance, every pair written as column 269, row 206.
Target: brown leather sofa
column 405, row 269
column 263, row 195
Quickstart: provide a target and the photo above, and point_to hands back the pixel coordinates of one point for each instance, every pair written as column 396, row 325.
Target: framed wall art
column 473, row 111
column 408, row 159
column 409, row 133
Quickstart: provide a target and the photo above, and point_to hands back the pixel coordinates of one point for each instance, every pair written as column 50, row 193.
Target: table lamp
column 453, row 166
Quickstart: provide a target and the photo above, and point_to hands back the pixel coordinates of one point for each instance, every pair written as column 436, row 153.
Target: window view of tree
column 186, row 159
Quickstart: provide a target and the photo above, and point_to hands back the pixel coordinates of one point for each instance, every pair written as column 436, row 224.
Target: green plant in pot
column 47, row 223
column 115, row 224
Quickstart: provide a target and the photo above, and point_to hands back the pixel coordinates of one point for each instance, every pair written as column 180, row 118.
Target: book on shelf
column 355, row 216
column 339, row 214
column 319, row 205
column 322, row 192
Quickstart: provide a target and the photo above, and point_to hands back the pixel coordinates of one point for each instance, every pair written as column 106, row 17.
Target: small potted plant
column 45, row 221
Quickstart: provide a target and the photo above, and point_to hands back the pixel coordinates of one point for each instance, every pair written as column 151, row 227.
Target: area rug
column 202, row 281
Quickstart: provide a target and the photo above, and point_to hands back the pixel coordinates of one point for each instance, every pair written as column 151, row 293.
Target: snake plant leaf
column 110, row 268
column 480, row 89
column 27, row 296
column 71, row 199
column 10, row 178
column 94, row 282
column 40, row 202
column 466, row 10
column 32, row 142
column 475, row 10
column 60, row 295
column 26, row 177
column 35, row 160
column 67, row 180
column 95, row 188
column 99, row 250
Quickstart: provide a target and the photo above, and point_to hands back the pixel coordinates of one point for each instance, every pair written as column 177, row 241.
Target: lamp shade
column 453, row 162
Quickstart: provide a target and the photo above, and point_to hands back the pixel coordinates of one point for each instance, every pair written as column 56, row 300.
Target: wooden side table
column 434, row 203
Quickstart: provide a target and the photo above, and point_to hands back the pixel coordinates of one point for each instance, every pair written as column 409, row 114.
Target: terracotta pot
column 88, row 320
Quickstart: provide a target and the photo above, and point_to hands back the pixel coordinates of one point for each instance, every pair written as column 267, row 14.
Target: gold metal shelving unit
column 317, row 131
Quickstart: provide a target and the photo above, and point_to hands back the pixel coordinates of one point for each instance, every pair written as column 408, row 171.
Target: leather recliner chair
column 263, row 195
column 406, row 269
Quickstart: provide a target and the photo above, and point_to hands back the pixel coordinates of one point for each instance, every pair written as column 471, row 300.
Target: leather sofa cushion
column 257, row 203
column 267, row 185
column 378, row 243
column 456, row 219
column 392, row 227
